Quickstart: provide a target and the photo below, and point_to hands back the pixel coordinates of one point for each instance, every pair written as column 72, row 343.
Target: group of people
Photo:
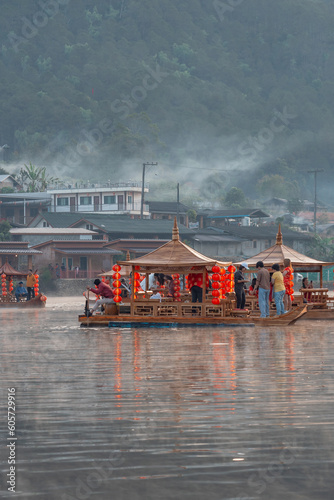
column 279, row 282
column 156, row 281
column 27, row 292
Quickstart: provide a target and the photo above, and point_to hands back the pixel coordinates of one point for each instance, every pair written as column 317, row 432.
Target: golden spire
column 175, row 236
column 279, row 238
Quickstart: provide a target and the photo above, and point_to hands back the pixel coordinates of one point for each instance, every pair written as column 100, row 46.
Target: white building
column 119, row 198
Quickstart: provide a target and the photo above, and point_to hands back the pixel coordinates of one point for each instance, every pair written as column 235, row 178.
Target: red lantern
column 177, row 288
column 137, row 283
column 116, row 284
column 215, row 277
column 215, row 269
column 116, row 268
column 215, row 285
column 136, row 276
column 215, row 302
column 215, row 293
column 43, row 298
column 117, row 291
column 117, row 298
column 177, row 294
column 231, row 269
column 137, row 268
column 116, row 276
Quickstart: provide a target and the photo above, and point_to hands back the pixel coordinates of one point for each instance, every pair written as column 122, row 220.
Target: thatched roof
column 173, row 256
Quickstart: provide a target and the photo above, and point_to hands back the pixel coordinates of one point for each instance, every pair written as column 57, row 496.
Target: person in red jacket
column 195, row 283
column 105, row 292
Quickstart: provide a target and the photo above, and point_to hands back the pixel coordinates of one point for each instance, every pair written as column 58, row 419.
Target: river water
column 216, row 413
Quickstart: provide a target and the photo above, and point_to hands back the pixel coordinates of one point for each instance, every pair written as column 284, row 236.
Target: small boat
column 7, row 298
column 175, row 257
column 38, row 301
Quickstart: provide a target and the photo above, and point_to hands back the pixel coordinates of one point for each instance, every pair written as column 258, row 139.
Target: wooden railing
column 169, row 308
column 318, row 297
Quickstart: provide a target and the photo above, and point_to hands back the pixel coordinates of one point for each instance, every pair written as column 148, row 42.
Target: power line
column 201, row 168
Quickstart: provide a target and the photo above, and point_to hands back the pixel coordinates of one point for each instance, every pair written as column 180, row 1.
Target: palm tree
column 36, row 178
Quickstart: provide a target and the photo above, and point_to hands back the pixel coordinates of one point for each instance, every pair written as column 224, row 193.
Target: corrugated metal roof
column 88, row 251
column 223, row 238
column 26, row 251
column 51, row 230
column 117, row 224
column 27, row 196
column 166, row 206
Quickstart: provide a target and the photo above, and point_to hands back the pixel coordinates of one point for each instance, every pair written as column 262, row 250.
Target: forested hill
column 234, row 84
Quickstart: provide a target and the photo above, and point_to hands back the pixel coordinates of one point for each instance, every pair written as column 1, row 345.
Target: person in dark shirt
column 239, row 286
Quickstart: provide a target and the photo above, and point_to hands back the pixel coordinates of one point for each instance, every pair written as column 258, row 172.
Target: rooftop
column 50, row 230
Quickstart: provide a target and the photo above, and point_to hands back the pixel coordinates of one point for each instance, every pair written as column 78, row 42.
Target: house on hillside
column 76, row 258
column 20, row 208
column 113, row 227
column 112, row 198
column 34, row 236
column 230, row 217
column 19, row 255
column 7, row 181
column 238, row 242
column 167, row 210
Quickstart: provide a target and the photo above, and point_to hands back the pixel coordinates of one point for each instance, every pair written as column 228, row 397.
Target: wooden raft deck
column 178, row 313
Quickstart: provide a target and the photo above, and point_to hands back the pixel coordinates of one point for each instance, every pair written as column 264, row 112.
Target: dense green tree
column 235, row 198
column 4, row 231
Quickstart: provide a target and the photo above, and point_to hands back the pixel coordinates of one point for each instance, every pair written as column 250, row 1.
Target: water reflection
column 168, row 413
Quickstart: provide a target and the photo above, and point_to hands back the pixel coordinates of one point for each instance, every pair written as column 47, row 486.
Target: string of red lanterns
column 3, row 285
column 117, row 283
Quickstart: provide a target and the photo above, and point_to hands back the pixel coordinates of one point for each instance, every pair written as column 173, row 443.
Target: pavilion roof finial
column 279, row 237
column 175, row 236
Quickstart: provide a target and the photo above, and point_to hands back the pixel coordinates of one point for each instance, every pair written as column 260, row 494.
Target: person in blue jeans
column 279, row 289
column 263, row 286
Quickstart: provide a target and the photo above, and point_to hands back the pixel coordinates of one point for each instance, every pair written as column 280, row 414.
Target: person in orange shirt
column 31, row 281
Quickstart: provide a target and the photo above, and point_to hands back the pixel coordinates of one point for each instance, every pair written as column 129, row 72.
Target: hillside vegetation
column 94, row 88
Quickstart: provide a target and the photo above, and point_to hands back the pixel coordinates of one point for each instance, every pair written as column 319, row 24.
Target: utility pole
column 315, row 197
column 142, row 186
column 178, row 204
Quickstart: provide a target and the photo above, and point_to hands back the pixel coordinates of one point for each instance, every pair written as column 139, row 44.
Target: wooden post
column 132, row 290
column 204, row 291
